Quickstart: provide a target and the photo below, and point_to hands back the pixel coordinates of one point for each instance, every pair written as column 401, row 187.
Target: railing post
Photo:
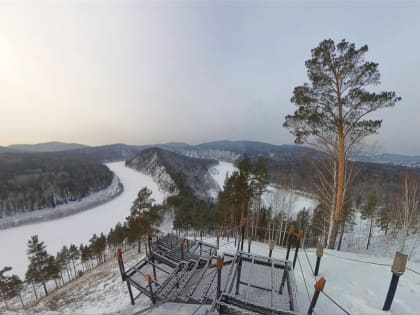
column 219, row 266
column 182, row 249
column 289, row 240
column 319, row 286
column 398, row 268
column 238, row 279
column 284, row 277
column 319, row 253
column 243, row 224
column 120, row 263
column 123, row 276
column 299, row 238
column 148, row 278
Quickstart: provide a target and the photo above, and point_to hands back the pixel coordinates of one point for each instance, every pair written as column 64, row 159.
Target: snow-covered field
column 77, row 228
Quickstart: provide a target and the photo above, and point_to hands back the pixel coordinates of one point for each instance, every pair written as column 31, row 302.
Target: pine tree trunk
column 341, row 236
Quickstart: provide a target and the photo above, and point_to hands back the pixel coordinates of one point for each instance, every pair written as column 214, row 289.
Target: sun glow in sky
column 145, row 72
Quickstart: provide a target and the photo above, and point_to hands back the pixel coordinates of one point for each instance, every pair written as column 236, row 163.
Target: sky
column 142, row 72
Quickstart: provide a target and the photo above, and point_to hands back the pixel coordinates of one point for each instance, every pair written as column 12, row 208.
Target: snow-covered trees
column 333, row 108
column 29, row 182
column 10, row 286
column 38, row 270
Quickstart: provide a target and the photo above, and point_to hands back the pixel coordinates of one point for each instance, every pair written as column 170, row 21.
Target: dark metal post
column 148, row 278
column 398, row 268
column 289, row 240
column 319, row 253
column 238, row 278
column 217, row 240
column 391, row 292
column 243, row 224
column 319, row 286
column 182, row 249
column 154, row 268
column 284, row 277
column 201, row 235
column 219, row 266
column 123, row 277
column 299, row 237
column 120, row 263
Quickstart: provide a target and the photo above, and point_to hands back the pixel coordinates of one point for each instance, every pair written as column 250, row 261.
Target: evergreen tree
column 39, row 260
column 369, row 212
column 74, row 254
column 10, row 286
column 333, row 107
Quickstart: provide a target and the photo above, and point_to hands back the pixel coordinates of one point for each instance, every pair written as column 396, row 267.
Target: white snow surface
column 78, row 228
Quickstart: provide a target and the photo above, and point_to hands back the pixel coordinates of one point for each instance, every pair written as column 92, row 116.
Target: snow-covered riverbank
column 77, row 228
column 93, row 200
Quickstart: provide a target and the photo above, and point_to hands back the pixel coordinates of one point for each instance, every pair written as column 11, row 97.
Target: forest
column 33, row 181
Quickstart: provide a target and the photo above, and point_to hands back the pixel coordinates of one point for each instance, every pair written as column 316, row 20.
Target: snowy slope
column 76, row 228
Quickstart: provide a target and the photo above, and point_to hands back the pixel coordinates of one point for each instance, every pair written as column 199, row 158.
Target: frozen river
column 78, row 228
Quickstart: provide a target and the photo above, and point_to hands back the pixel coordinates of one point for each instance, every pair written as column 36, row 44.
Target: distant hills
column 53, row 146
column 221, row 150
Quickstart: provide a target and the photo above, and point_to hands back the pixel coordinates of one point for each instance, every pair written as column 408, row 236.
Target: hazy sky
column 100, row 72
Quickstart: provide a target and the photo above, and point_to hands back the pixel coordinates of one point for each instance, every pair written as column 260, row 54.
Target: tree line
column 33, row 181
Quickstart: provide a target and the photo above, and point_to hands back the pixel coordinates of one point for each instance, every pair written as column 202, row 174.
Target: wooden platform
column 185, row 272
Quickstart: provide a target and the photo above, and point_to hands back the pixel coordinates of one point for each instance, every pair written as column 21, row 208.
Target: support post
column 284, row 277
column 182, row 249
column 217, row 240
column 148, row 278
column 238, row 278
column 122, row 271
column 219, row 266
column 154, row 268
column 201, row 235
column 398, row 268
column 120, row 263
column 319, row 286
column 299, row 238
column 243, row 224
column 149, row 243
column 319, row 253
column 289, row 240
